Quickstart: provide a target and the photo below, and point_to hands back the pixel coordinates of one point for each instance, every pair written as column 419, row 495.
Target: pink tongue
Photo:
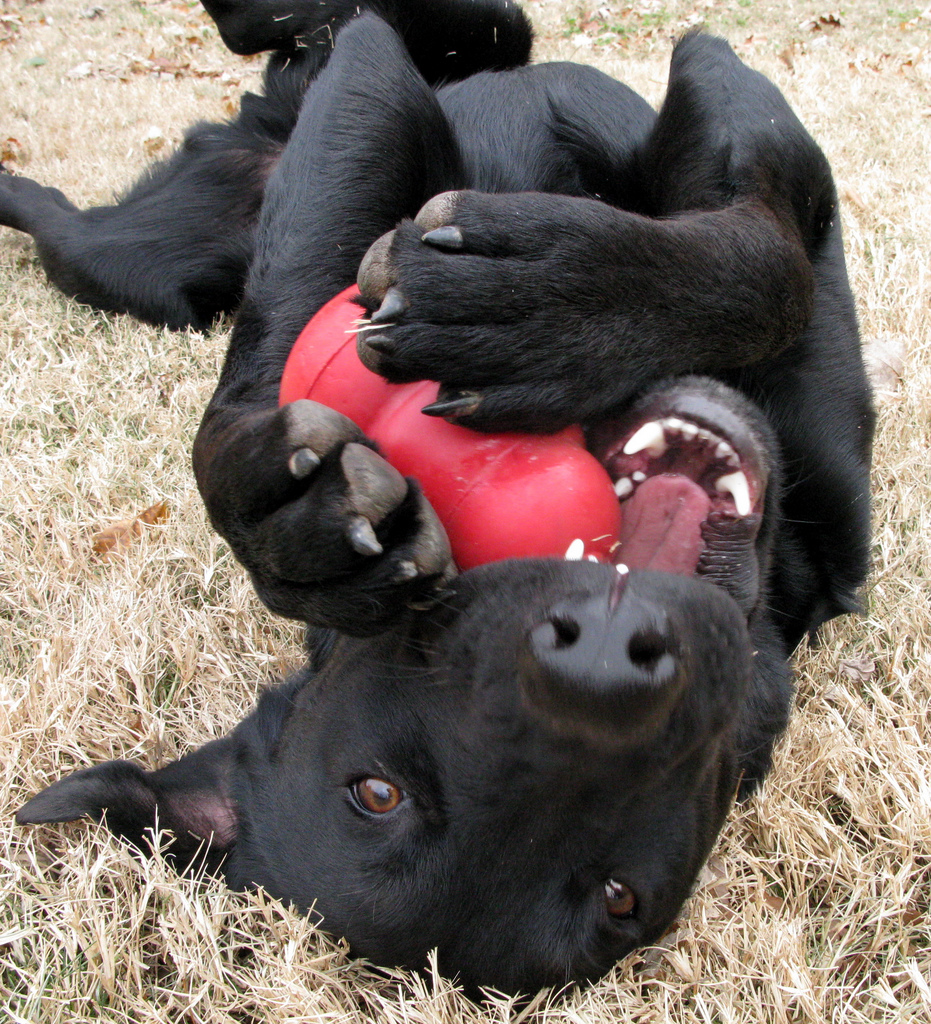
column 661, row 525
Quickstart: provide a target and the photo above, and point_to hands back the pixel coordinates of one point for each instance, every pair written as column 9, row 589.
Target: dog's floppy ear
column 190, row 798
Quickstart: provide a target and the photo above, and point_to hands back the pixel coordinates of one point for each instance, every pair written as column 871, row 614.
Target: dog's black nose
column 608, row 669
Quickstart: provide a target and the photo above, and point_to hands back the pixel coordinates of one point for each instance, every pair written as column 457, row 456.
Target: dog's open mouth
column 690, row 474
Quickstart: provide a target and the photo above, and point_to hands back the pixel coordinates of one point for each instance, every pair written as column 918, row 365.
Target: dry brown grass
column 815, row 906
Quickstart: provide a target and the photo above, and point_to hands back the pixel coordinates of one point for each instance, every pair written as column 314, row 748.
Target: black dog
column 525, row 765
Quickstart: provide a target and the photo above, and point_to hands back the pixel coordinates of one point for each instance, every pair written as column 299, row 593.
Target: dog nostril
column 610, row 674
column 566, row 632
column 646, row 649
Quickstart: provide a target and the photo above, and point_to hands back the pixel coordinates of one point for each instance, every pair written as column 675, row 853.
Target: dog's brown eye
column 619, row 899
column 376, row 795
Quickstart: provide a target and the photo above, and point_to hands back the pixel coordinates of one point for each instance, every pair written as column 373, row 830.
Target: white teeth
column 735, row 484
column 592, row 558
column 576, row 550
column 622, row 569
column 649, row 438
column 652, row 439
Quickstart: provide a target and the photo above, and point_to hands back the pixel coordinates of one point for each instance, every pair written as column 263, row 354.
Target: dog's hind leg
column 175, row 249
column 290, row 488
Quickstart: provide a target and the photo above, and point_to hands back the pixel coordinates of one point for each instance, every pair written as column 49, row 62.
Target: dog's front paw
column 497, row 298
column 330, row 532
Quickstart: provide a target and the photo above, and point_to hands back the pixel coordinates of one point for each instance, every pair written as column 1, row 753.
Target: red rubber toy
column 498, row 495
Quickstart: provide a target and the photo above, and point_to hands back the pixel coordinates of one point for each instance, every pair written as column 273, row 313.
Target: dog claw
column 437, row 212
column 303, row 462
column 393, row 305
column 405, row 572
column 373, row 488
column 380, row 344
column 361, row 537
column 376, row 275
column 453, row 403
column 447, row 236
column 324, row 428
column 432, row 553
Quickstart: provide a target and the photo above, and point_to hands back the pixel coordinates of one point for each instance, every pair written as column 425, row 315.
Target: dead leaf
column 821, row 22
column 154, row 514
column 787, row 56
column 859, row 670
column 164, row 66
column 714, row 878
column 114, row 540
column 774, row 902
column 850, row 195
column 137, row 728
column 10, row 27
column 11, row 151
column 912, row 914
column 885, row 363
column 153, row 140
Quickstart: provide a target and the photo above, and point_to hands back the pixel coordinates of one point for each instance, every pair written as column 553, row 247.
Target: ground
column 815, row 905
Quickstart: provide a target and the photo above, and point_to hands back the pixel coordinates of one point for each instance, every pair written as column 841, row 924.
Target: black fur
column 549, row 726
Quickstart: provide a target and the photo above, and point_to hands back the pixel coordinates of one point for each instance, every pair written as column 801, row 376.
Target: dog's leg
column 330, row 533
column 535, row 311
column 538, row 310
column 815, row 391
column 447, row 39
column 175, row 249
column 555, row 308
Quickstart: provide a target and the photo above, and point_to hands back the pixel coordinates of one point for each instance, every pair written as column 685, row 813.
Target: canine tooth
column 649, row 438
column 735, row 484
column 638, row 476
column 624, row 487
column 575, row 550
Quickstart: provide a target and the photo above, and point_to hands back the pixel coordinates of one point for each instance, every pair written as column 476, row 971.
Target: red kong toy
column 498, row 495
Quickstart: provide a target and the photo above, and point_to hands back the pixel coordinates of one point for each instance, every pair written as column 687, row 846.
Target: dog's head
column 528, row 777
